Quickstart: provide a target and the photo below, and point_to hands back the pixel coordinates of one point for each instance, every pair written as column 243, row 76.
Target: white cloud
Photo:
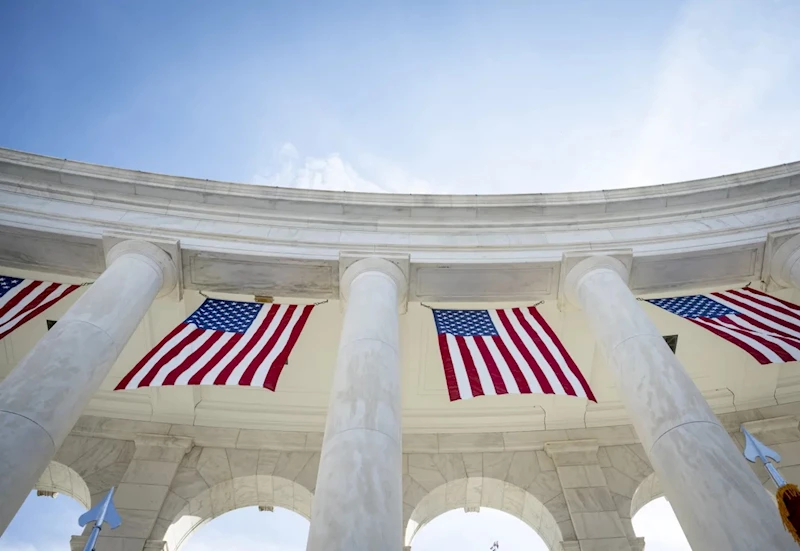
column 719, row 102
column 332, row 172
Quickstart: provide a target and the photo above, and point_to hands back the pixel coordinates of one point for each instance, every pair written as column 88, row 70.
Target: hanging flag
column 224, row 342
column 23, row 299
column 765, row 327
column 509, row 351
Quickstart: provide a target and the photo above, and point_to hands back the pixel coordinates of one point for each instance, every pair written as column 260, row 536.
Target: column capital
column 164, row 257
column 784, row 263
column 395, row 267
column 576, row 266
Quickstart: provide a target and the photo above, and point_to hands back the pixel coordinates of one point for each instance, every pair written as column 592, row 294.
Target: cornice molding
column 79, row 182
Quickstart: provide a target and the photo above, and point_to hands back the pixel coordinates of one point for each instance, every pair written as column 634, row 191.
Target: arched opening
column 251, row 528
column 49, row 516
column 653, row 518
column 475, row 494
column 657, row 524
column 254, row 492
column 458, row 529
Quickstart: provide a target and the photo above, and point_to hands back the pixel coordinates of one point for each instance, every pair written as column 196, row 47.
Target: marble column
column 42, row 398
column 719, row 502
column 358, row 499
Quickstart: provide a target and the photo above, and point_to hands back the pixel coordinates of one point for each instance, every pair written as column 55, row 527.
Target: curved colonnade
column 568, row 468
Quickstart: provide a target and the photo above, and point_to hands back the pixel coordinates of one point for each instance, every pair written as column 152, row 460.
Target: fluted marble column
column 42, row 398
column 716, row 496
column 358, row 499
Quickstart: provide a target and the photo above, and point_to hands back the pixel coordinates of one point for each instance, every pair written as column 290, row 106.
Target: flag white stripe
column 263, row 370
column 20, row 306
column 10, row 295
column 53, row 297
column 239, row 370
column 738, row 335
column 480, row 366
column 748, row 328
column 169, row 345
column 533, row 350
column 772, row 301
column 180, row 357
column 502, row 366
column 14, row 291
column 464, row 389
column 209, row 377
column 554, row 351
column 527, row 371
column 755, row 311
column 202, row 361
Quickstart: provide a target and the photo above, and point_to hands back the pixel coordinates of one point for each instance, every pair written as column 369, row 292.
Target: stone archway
column 245, row 491
column 60, row 479
column 475, row 492
column 648, row 490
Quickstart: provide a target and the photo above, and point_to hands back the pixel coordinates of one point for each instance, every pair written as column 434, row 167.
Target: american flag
column 23, row 299
column 224, row 343
column 764, row 326
column 509, row 351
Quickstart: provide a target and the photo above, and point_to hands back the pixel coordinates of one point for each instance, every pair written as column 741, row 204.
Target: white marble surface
column 689, row 449
column 358, row 502
column 41, row 400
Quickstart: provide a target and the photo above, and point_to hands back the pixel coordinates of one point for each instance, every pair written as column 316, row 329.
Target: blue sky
column 401, row 96
column 455, row 96
column 45, row 524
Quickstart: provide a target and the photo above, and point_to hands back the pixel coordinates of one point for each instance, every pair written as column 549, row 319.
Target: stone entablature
column 287, row 242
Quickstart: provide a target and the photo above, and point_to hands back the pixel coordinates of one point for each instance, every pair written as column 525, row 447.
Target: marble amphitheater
column 360, row 436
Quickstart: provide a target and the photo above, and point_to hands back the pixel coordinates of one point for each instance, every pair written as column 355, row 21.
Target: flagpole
column 103, row 512
column 98, row 524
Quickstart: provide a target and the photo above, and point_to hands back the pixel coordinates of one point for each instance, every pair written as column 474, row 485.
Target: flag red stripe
column 563, row 351
column 271, row 380
column 786, row 304
column 519, row 377
column 469, row 365
column 775, row 347
column 788, row 339
column 170, row 355
column 544, row 384
column 132, row 373
column 491, row 366
column 548, row 356
column 711, row 326
column 192, row 358
column 37, row 300
column 222, row 377
column 16, row 299
column 764, row 304
column 247, row 376
column 197, row 378
column 762, row 313
column 33, row 313
column 449, row 371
